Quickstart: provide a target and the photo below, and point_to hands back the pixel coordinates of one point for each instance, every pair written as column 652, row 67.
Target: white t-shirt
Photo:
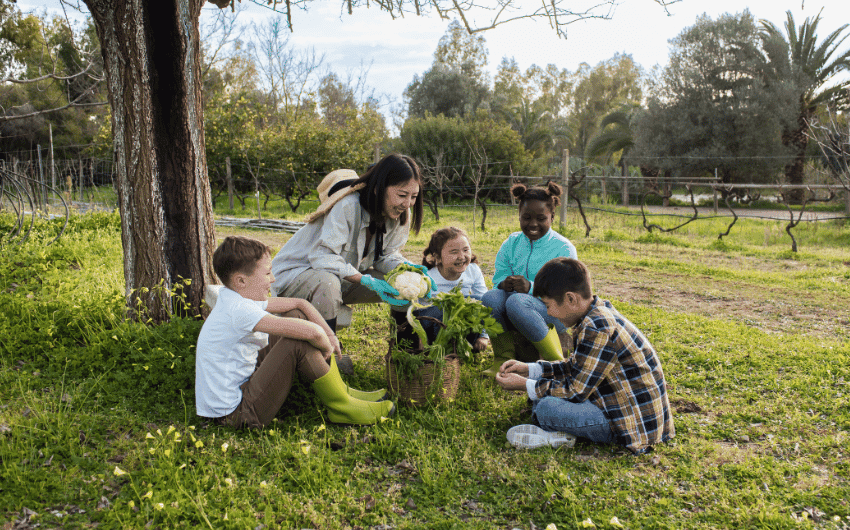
column 472, row 278
column 226, row 355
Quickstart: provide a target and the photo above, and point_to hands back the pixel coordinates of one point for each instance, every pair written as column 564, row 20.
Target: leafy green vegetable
column 462, row 316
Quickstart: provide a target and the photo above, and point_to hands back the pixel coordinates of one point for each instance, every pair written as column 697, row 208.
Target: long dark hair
column 391, row 170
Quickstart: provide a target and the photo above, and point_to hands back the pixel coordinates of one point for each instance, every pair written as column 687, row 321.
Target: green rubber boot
column 343, row 408
column 374, row 395
column 550, row 346
column 503, row 349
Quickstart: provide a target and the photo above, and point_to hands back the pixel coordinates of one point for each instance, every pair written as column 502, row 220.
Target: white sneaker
column 532, row 437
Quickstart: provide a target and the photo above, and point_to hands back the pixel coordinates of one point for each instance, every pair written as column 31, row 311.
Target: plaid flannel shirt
column 616, row 368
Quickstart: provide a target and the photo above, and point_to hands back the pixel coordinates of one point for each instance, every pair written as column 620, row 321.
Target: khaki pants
column 329, row 295
column 265, row 391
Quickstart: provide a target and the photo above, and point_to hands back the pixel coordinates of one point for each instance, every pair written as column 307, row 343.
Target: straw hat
column 332, row 189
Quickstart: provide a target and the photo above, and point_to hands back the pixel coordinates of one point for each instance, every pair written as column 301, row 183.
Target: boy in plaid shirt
column 611, row 389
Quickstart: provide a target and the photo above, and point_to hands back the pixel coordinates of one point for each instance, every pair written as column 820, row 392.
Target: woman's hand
column 386, row 291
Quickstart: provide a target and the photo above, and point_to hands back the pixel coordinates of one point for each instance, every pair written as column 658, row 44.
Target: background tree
column 797, row 55
column 457, row 83
column 615, row 137
column 151, row 56
column 457, row 146
column 713, row 108
column 598, row 91
column 50, row 75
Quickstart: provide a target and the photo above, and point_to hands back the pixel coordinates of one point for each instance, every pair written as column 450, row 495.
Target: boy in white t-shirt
column 247, row 357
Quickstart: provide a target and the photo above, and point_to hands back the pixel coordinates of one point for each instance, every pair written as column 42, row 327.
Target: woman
column 352, row 240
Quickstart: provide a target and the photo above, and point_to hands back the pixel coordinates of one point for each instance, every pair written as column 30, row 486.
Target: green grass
column 97, row 421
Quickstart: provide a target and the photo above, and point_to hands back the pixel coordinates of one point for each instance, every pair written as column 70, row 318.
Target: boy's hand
column 511, row 381
column 335, row 344
column 512, row 366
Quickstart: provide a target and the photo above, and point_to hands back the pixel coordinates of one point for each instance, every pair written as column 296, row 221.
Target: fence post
column 847, row 201
column 604, row 187
column 625, row 186
column 82, row 181
column 566, row 185
column 52, row 168
column 714, row 188
column 229, row 183
column 42, row 189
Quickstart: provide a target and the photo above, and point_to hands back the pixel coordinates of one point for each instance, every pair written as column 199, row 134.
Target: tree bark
column 151, row 56
column 798, row 141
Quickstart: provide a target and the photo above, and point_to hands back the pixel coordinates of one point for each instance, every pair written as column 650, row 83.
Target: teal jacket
column 520, row 255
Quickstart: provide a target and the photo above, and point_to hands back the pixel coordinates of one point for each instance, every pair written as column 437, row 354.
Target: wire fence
column 43, row 183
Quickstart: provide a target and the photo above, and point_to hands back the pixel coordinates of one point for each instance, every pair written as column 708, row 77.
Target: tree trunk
column 798, row 141
column 151, row 57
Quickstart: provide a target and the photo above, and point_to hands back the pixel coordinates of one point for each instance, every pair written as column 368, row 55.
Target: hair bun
column 518, row 189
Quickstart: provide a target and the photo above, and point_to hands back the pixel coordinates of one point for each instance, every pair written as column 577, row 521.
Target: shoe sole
column 533, row 437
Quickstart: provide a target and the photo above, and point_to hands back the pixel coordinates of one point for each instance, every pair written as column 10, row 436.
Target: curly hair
column 550, row 194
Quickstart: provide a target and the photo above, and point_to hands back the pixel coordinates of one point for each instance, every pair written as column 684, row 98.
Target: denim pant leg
column 495, row 299
column 579, row 419
column 528, row 315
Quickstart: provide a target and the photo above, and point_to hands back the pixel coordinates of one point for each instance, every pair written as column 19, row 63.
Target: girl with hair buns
column 451, row 262
column 520, row 257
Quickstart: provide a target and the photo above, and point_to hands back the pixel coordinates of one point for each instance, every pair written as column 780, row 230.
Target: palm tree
column 797, row 56
column 615, row 134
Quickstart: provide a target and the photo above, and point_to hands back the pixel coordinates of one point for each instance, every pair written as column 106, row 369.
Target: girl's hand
column 481, row 344
column 521, row 284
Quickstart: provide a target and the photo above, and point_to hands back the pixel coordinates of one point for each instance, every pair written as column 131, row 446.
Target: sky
column 401, row 48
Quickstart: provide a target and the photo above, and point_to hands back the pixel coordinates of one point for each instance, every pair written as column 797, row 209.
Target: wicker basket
column 422, row 389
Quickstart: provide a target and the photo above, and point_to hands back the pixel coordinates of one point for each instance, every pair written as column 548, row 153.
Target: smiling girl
column 451, row 262
column 517, row 263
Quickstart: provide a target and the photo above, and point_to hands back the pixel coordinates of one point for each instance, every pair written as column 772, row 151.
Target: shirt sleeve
column 577, row 378
column 503, row 263
column 478, row 287
column 335, row 239
column 247, row 313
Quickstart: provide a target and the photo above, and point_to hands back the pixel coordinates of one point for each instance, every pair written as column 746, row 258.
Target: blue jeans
column 521, row 312
column 579, row 419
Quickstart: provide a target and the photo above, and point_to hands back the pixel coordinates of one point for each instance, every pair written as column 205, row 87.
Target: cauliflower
column 409, row 282
column 411, row 285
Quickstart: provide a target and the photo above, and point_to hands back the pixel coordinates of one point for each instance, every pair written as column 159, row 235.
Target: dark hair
column 438, row 241
column 391, row 170
column 551, row 194
column 560, row 276
column 238, row 254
